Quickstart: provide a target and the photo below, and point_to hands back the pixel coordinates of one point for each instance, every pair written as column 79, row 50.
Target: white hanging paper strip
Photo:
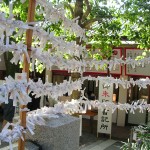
column 58, row 43
column 17, row 90
column 55, row 14
column 80, row 65
column 54, row 91
column 122, row 82
column 54, row 60
column 69, row 48
column 18, row 50
column 8, row 135
column 7, row 23
column 140, row 105
column 38, row 117
column 76, row 106
column 113, row 63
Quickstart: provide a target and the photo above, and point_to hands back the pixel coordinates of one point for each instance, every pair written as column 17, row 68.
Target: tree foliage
column 135, row 16
column 105, row 25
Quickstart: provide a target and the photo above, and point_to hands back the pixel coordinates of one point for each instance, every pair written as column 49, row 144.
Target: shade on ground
column 103, row 145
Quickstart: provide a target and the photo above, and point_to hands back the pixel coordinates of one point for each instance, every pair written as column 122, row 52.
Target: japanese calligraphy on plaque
column 138, row 70
column 105, row 116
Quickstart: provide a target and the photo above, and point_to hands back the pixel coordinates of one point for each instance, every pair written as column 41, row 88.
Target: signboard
column 21, row 76
column 105, row 116
column 138, row 70
column 118, row 69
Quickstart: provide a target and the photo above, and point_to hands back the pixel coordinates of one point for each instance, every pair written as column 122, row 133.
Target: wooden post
column 26, row 65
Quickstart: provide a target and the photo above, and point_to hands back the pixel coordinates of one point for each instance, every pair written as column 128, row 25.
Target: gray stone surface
column 59, row 134
column 30, row 146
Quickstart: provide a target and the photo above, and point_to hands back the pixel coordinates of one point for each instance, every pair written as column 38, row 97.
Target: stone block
column 58, row 134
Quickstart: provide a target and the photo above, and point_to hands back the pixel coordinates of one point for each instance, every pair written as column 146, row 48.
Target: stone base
column 58, row 134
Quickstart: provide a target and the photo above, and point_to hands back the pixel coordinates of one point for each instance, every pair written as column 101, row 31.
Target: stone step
column 99, row 145
column 28, row 146
column 91, row 145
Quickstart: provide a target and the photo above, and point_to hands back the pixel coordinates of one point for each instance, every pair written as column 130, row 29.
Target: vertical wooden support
column 31, row 14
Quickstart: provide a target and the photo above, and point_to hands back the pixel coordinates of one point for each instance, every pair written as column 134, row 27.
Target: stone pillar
column 148, row 119
column 48, row 75
column 122, row 99
column 2, row 63
column 75, row 94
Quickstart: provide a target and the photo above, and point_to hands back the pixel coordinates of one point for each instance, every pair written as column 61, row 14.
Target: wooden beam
column 26, row 65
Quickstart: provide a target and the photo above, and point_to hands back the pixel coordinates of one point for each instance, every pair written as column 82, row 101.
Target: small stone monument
column 58, row 134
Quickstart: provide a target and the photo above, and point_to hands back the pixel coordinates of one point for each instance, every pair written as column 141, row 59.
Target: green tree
column 99, row 21
column 107, row 25
column 135, row 16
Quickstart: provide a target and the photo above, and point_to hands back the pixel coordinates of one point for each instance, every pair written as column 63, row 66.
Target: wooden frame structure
column 26, row 65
